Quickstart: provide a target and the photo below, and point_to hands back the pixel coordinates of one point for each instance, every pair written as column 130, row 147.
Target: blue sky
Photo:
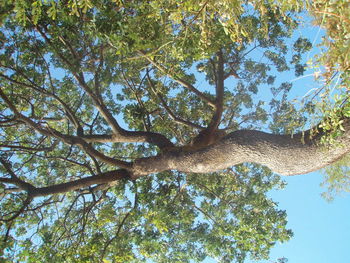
column 321, row 229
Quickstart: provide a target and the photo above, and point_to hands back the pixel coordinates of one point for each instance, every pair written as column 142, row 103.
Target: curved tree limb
column 119, row 133
column 14, row 178
column 32, row 191
column 103, row 178
column 283, row 154
column 211, row 134
column 123, row 135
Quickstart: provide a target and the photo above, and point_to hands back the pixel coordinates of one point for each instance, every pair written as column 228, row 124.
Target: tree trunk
column 283, row 154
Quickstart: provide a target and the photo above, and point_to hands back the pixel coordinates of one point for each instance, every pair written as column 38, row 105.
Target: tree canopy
column 134, row 130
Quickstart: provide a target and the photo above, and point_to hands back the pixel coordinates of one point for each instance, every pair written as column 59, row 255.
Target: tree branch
column 132, row 86
column 121, row 223
column 179, row 80
column 283, row 154
column 169, row 111
column 68, row 139
column 25, row 204
column 123, row 135
column 32, row 149
column 219, row 88
column 211, row 134
column 69, row 113
column 103, row 178
column 14, row 178
column 120, row 134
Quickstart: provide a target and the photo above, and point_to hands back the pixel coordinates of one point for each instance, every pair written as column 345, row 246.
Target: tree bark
column 283, row 154
column 102, row 178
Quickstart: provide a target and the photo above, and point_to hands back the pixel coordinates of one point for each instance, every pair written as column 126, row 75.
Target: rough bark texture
column 283, row 154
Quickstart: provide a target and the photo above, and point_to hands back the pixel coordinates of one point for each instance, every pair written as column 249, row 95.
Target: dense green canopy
column 92, row 92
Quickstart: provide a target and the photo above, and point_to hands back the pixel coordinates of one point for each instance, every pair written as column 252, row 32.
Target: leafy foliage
column 74, row 72
column 337, row 178
column 161, row 218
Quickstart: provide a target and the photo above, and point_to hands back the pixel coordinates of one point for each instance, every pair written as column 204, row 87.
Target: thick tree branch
column 211, row 134
column 103, row 178
column 80, row 78
column 14, row 178
column 102, row 108
column 106, row 177
column 283, row 154
column 120, row 134
column 9, row 122
column 219, row 88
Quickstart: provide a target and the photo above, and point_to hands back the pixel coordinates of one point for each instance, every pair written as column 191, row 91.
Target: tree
column 110, row 149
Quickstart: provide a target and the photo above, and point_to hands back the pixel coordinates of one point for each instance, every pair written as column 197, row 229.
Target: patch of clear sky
column 321, row 229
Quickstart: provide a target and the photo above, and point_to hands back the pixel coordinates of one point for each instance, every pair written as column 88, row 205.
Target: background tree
column 114, row 149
